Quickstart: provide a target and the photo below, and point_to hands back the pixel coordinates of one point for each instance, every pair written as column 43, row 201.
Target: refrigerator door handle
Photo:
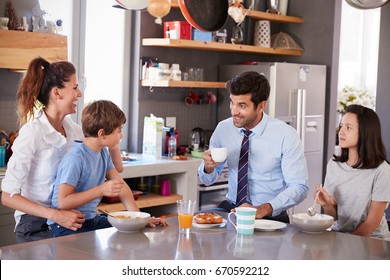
column 299, row 112
column 303, row 119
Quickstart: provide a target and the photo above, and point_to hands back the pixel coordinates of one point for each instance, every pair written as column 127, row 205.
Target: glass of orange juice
column 185, row 210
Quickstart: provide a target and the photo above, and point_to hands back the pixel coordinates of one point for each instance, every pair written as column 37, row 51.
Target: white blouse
column 37, row 151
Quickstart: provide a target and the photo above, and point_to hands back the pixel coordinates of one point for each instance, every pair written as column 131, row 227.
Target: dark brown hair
column 35, row 87
column 371, row 150
column 250, row 82
column 101, row 114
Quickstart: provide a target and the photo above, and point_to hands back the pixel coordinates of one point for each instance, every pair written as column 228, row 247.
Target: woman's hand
column 71, row 219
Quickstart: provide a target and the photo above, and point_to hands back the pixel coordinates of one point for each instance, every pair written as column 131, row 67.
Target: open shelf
column 183, row 84
column 18, row 48
column 258, row 15
column 144, row 201
column 215, row 46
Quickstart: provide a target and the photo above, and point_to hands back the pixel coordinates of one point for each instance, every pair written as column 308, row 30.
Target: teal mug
column 245, row 217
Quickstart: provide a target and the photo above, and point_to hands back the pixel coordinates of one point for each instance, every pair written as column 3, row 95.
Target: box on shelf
column 177, row 30
column 198, row 35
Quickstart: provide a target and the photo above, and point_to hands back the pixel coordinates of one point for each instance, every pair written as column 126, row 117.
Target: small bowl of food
column 128, row 221
column 312, row 224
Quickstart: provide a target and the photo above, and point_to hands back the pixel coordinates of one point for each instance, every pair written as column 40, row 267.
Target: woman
column 44, row 138
column 357, row 183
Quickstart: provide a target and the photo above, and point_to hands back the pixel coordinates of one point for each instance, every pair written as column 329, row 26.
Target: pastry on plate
column 208, row 218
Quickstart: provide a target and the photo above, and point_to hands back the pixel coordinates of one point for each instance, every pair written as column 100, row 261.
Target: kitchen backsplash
column 8, row 116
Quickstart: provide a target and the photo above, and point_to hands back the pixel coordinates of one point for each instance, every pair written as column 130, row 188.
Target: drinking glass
column 185, row 210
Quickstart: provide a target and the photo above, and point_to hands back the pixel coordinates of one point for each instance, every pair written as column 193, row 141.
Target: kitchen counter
column 183, row 175
column 202, row 244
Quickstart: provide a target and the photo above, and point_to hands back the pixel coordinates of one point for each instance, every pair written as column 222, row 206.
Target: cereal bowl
column 128, row 221
column 312, row 224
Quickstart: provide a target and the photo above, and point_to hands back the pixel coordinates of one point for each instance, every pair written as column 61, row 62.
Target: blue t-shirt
column 84, row 169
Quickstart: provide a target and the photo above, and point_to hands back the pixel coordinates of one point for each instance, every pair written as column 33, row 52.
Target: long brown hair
column 35, row 87
column 371, row 151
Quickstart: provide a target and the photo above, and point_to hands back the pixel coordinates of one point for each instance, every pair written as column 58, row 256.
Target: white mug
column 219, row 154
column 245, row 217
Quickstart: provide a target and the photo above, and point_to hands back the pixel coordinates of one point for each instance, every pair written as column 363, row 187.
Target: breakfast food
column 179, row 157
column 125, row 217
column 208, row 218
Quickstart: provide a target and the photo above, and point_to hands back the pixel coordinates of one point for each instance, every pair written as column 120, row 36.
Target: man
column 267, row 168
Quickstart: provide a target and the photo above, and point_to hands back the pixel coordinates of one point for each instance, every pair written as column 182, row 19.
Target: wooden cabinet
column 220, row 47
column 18, row 48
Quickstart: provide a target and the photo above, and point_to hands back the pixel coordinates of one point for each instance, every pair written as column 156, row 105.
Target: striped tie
column 242, row 185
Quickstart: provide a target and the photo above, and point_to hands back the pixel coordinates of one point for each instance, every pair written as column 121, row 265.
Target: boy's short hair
column 101, row 114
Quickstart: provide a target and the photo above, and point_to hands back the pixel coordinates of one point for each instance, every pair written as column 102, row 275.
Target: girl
column 357, row 183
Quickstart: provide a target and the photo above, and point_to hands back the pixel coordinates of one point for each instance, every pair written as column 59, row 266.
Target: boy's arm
column 126, row 196
column 69, row 199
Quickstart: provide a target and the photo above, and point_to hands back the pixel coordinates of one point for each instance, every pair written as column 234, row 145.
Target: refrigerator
column 297, row 97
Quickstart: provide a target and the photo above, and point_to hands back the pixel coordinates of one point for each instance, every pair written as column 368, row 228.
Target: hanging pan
column 367, row 4
column 205, row 15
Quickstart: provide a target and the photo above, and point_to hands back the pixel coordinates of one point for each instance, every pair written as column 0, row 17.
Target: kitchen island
column 183, row 175
column 218, row 243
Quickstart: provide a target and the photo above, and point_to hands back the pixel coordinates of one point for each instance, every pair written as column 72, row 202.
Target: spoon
column 312, row 210
column 105, row 212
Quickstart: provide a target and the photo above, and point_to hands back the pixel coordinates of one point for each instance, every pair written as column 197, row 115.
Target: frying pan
column 131, row 4
column 367, row 4
column 205, row 15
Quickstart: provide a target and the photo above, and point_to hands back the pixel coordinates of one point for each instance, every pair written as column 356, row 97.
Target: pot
column 205, row 15
column 367, row 4
column 131, row 4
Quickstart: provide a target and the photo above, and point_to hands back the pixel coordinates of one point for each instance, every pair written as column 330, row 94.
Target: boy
column 87, row 173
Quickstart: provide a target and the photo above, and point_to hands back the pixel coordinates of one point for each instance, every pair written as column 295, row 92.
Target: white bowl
column 128, row 221
column 312, row 224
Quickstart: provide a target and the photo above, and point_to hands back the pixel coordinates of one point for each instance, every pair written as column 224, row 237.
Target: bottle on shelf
column 172, row 143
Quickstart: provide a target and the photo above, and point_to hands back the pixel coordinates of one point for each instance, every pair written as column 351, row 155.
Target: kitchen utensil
column 197, row 138
column 128, row 221
column 206, row 15
column 105, row 212
column 312, row 210
column 312, row 224
column 367, row 4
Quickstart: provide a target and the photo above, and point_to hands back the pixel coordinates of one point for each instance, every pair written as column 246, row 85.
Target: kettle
column 198, row 139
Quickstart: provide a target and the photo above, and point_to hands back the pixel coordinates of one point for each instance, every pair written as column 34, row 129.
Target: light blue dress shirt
column 277, row 165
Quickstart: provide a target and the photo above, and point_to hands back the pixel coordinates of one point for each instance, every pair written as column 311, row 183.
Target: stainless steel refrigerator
column 298, row 98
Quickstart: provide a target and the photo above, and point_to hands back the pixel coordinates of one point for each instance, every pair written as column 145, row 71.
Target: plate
column 209, row 225
column 268, row 225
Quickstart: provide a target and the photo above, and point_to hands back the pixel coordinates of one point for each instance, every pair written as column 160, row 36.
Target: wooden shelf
column 258, row 15
column 148, row 200
column 182, row 84
column 18, row 48
column 214, row 46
